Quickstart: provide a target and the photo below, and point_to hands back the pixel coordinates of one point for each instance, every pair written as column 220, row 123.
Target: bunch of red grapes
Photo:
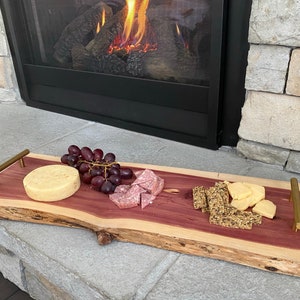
column 95, row 168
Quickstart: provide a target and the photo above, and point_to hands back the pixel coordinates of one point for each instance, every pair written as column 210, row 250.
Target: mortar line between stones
column 155, row 275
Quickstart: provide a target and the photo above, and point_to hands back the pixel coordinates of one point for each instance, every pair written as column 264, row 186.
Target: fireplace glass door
column 150, row 39
column 153, row 66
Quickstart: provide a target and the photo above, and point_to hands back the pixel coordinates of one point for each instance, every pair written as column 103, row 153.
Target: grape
column 96, row 171
column 107, row 187
column 115, row 179
column 98, row 154
column 87, row 153
column 114, row 171
column 126, row 173
column 109, row 157
column 101, row 171
column 97, row 181
column 64, row 158
column 72, row 160
column 74, row 150
column 84, row 167
column 86, row 177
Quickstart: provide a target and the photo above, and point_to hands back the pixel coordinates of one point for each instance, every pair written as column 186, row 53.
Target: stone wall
column 270, row 127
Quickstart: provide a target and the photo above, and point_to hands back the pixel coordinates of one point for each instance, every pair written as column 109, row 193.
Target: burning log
column 163, row 63
column 77, row 31
column 111, row 29
column 110, row 63
column 167, row 50
column 83, row 60
column 94, row 56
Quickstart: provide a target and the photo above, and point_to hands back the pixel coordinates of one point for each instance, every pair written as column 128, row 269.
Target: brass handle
column 295, row 197
column 15, row 158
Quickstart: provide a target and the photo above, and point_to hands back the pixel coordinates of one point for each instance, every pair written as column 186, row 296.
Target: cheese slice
column 266, row 208
column 242, row 204
column 51, row 183
column 258, row 193
column 238, row 190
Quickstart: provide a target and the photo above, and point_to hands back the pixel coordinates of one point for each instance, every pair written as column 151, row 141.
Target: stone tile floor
column 122, row 270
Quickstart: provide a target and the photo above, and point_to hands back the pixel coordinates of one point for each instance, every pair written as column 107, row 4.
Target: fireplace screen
column 154, row 66
column 154, row 39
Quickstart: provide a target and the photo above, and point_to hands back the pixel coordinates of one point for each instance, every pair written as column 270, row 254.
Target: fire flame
column 180, row 36
column 100, row 25
column 131, row 21
column 134, row 30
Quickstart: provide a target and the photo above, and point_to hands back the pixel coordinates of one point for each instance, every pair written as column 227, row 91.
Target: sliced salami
column 146, row 199
column 121, row 201
column 148, row 180
column 144, row 176
column 123, row 188
column 142, row 191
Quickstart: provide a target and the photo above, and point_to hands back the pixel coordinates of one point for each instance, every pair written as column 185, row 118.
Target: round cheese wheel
column 51, row 183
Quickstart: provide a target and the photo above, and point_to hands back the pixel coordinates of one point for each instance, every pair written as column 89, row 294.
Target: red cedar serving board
column 170, row 222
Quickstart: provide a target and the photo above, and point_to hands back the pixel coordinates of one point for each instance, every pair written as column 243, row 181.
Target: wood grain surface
column 170, row 222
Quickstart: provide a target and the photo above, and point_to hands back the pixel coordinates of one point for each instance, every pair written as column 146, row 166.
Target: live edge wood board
column 170, row 222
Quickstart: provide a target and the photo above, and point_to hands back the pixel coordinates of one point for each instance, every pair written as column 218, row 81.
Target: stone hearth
column 269, row 128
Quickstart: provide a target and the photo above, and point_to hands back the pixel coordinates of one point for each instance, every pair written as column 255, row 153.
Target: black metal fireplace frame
column 209, row 122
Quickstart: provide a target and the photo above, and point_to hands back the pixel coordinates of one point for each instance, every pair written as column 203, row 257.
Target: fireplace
column 168, row 68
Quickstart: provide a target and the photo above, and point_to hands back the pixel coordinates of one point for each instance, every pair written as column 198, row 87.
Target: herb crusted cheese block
column 51, row 183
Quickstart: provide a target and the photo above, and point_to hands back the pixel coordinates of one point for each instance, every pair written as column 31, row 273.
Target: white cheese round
column 51, row 183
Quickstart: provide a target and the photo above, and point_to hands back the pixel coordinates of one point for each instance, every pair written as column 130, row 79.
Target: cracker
column 199, row 198
column 216, row 201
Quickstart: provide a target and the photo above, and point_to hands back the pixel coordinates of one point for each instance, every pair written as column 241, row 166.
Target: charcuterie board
column 170, row 222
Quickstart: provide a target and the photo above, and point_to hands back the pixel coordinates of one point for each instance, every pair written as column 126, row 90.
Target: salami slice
column 142, row 191
column 146, row 199
column 123, row 188
column 148, row 180
column 121, row 201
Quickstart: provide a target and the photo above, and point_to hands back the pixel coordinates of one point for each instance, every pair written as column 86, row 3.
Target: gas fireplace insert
column 169, row 68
